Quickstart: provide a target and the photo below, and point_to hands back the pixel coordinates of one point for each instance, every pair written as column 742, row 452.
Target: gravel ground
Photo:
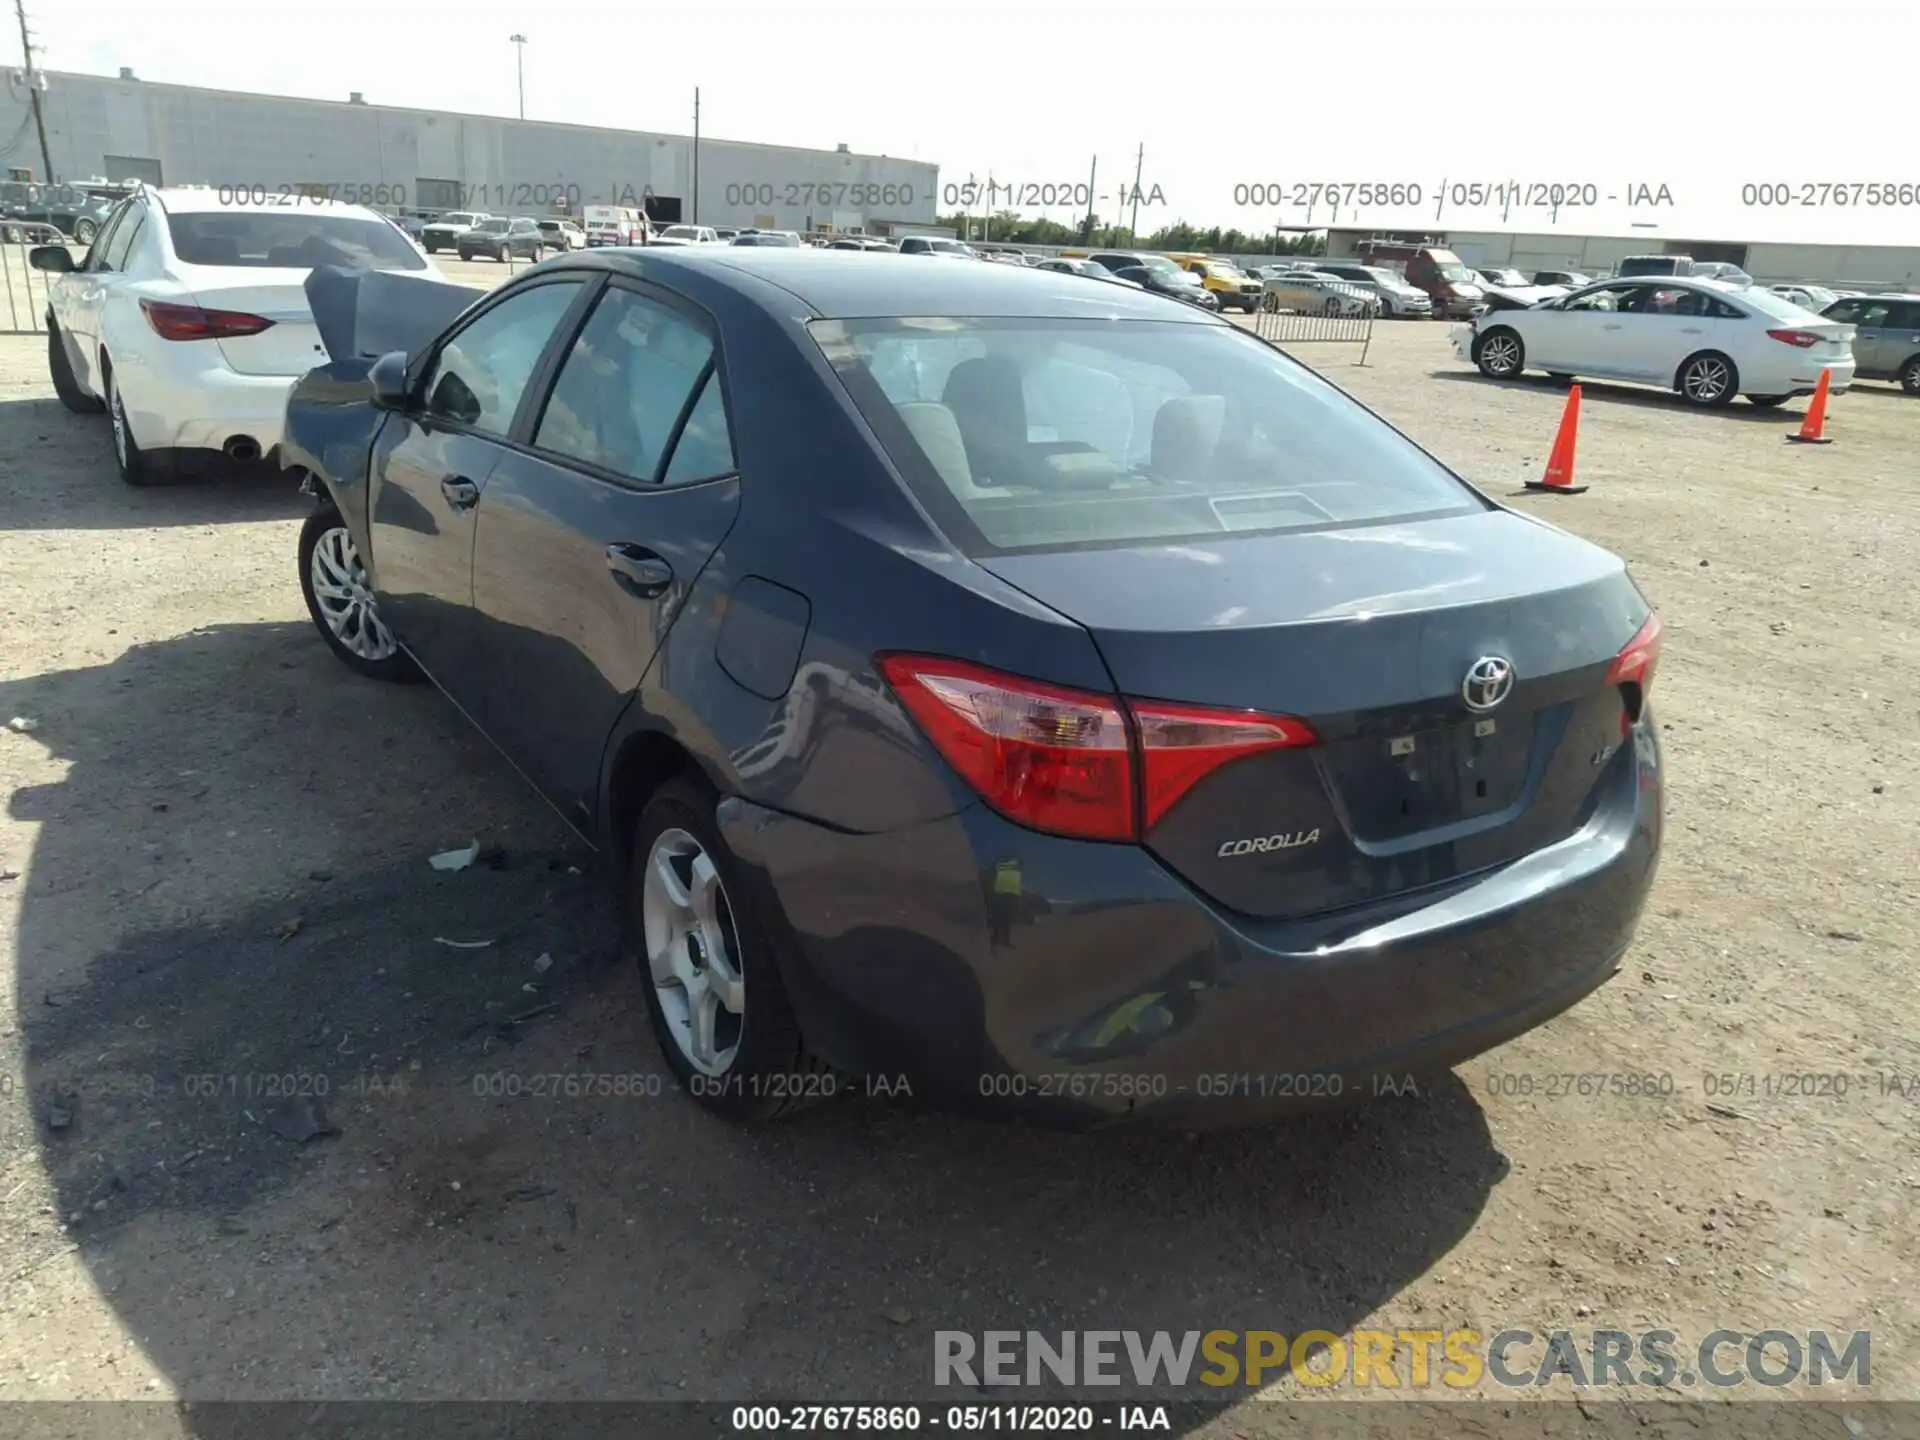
column 216, row 902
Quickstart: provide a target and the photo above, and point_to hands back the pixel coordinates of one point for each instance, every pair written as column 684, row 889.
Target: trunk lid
column 290, row 346
column 1368, row 633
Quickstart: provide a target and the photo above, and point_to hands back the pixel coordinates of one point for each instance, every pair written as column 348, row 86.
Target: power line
column 33, row 87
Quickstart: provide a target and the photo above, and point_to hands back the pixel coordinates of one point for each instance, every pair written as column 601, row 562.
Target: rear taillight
column 1634, row 666
column 1799, row 339
column 1074, row 762
column 1180, row 745
column 191, row 322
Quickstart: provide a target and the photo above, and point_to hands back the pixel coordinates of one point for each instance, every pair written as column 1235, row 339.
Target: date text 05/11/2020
column 1501, row 195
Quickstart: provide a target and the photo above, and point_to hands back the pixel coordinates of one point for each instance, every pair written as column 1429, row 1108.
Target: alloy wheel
column 118, row 412
column 693, row 951
column 1706, row 380
column 1500, row 354
column 344, row 598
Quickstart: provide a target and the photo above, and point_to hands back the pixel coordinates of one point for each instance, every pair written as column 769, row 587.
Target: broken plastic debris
column 22, row 725
column 460, row 944
column 456, row 859
column 543, row 963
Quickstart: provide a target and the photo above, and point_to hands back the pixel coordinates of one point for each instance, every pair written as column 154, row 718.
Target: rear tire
column 60, row 368
column 1500, row 354
column 1768, row 402
column 139, row 468
column 1708, row 380
column 1910, row 376
column 325, row 534
column 704, row 927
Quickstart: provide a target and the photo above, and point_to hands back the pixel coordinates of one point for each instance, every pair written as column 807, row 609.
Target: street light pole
column 520, row 69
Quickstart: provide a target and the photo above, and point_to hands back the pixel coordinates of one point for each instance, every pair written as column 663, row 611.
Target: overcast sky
column 1699, row 98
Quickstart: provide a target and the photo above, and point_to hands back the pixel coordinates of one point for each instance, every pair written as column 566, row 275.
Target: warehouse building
column 1850, row 251
column 404, row 159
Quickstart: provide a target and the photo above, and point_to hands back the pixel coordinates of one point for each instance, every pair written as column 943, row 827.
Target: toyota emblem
column 1489, row 681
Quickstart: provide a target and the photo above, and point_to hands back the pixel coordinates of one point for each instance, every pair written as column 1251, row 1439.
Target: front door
column 1584, row 335
column 592, row 534
column 1871, row 318
column 432, row 465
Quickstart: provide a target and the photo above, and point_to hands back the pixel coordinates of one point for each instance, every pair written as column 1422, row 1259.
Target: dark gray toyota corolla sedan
column 1046, row 692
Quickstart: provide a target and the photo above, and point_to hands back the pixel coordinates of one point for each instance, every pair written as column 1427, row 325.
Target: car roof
column 839, row 284
column 201, row 201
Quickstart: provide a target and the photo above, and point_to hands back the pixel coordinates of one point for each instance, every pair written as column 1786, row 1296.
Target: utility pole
column 33, row 90
column 520, row 69
column 695, row 219
column 1086, row 226
column 1133, row 219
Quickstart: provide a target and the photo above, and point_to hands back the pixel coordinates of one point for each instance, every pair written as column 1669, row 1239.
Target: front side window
column 1036, row 434
column 624, row 385
column 479, row 375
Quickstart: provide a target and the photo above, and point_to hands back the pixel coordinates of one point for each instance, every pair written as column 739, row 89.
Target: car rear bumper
column 197, row 403
column 1840, row 376
column 1108, row 990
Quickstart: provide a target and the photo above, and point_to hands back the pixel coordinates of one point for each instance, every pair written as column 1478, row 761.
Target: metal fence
column 1303, row 327
column 24, row 291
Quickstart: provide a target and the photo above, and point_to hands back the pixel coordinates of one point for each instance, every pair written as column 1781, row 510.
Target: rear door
column 593, row 528
column 431, row 465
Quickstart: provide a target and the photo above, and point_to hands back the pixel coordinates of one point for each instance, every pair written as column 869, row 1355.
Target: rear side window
column 1041, row 434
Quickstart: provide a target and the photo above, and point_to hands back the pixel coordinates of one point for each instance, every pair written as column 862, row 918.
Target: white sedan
column 188, row 322
column 1707, row 340
column 1314, row 292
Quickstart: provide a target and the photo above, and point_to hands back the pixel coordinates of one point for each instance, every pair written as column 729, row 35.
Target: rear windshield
column 1049, row 434
column 290, row 239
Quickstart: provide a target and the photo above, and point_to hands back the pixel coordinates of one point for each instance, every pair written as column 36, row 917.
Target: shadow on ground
column 42, row 442
column 307, row 1150
column 1647, row 398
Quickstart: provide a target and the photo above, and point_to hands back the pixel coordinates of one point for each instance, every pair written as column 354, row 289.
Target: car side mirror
column 56, row 258
column 389, row 380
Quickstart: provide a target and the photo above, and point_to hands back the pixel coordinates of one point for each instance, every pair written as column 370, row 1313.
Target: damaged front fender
column 332, row 422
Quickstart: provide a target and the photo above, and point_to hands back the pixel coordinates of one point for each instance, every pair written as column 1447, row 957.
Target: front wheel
column 341, row 602
column 1708, row 381
column 1910, row 376
column 1500, row 355
column 84, row 231
column 712, row 980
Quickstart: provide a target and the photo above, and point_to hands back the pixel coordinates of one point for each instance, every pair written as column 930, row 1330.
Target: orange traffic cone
column 1559, row 477
column 1812, row 429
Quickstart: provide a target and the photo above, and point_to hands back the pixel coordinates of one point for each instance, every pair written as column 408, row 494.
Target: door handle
column 1613, row 327
column 1691, row 330
column 639, row 570
column 461, row 493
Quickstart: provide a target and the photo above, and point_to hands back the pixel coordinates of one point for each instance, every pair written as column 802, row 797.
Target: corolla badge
column 1489, row 681
column 1263, row 844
